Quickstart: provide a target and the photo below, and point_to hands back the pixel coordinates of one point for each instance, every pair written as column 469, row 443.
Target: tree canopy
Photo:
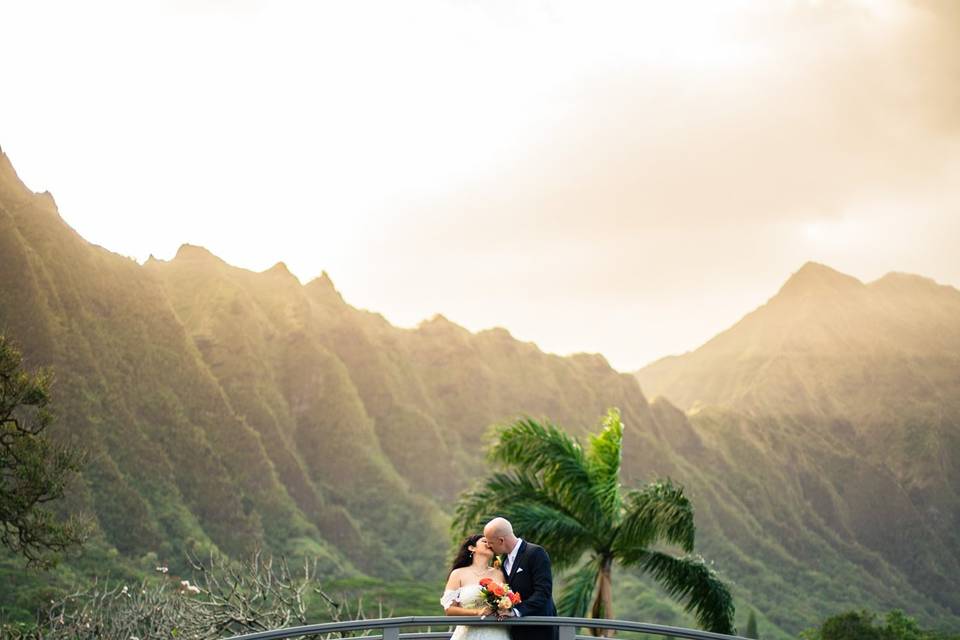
column 33, row 469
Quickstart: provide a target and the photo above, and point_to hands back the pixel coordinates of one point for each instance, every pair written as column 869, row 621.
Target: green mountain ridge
column 298, row 411
column 867, row 376
column 233, row 410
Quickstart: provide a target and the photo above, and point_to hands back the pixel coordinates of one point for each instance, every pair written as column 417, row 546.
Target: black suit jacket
column 532, row 578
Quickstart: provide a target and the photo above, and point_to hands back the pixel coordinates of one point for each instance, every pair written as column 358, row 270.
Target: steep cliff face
column 862, row 382
column 239, row 410
column 172, row 459
column 363, row 411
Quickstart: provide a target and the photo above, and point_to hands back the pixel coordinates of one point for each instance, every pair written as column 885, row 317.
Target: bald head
column 500, row 536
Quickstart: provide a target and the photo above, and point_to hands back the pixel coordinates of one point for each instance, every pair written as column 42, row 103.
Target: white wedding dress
column 469, row 597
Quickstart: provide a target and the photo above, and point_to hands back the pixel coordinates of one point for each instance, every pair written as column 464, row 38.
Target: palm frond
column 563, row 536
column 604, row 456
column 545, row 450
column 578, row 591
column 658, row 512
column 475, row 506
column 533, row 511
column 689, row 579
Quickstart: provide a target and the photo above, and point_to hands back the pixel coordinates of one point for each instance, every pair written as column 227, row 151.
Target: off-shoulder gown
column 469, row 596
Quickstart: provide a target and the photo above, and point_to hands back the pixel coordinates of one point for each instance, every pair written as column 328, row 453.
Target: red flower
column 514, row 597
column 485, row 582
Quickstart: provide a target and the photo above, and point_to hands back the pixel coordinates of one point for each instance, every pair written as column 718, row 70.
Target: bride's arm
column 454, row 608
column 457, row 610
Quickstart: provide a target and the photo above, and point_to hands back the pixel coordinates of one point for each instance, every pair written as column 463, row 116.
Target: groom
column 527, row 568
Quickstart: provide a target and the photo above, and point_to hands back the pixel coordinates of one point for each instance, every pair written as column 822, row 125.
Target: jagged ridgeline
column 232, row 410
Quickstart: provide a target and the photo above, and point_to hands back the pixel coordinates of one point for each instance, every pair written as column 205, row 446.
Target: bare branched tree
column 224, row 599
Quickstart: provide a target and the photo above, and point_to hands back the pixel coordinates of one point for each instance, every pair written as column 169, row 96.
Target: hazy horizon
column 625, row 178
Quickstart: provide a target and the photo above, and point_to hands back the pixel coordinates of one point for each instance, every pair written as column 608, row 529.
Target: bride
column 461, row 596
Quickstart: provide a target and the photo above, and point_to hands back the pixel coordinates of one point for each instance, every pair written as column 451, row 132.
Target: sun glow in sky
column 626, row 177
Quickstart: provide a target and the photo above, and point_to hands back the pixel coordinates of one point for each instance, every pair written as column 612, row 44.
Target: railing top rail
column 449, row 621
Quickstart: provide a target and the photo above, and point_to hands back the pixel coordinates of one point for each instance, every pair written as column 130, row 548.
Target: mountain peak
column 8, row 175
column 898, row 282
column 322, row 287
column 814, row 278
column 322, row 281
column 279, row 270
column 195, row 253
column 440, row 324
column 594, row 361
column 12, row 186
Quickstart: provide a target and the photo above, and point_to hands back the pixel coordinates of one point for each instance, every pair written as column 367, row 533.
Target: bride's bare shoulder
column 455, row 580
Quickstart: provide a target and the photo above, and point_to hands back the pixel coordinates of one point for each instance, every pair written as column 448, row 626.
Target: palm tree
column 568, row 499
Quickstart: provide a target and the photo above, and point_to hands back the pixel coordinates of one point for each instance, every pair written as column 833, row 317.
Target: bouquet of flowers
column 498, row 596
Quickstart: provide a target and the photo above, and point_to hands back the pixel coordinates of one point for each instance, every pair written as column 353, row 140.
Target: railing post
column 391, row 633
column 566, row 632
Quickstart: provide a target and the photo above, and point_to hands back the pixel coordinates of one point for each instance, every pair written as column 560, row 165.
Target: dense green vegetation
column 224, row 410
column 863, row 625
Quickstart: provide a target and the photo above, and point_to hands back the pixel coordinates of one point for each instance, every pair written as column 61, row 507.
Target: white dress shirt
column 511, row 558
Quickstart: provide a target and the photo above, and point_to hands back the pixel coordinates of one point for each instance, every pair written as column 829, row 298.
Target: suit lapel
column 516, row 561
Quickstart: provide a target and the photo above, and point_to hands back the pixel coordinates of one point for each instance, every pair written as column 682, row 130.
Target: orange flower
column 514, row 597
column 485, row 582
column 497, row 589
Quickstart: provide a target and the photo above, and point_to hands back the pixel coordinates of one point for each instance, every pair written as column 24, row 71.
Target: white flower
column 505, row 603
column 186, row 587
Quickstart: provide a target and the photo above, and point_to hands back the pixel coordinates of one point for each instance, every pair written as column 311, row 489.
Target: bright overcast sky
column 627, row 178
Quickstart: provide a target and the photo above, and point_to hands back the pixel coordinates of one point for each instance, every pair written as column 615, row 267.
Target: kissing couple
column 525, row 571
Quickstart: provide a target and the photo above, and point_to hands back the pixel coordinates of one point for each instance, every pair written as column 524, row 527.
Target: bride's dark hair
column 464, row 555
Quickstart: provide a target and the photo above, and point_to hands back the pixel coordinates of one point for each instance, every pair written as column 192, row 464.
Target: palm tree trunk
column 603, row 600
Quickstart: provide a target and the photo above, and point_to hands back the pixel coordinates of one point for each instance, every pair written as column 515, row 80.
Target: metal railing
column 389, row 628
